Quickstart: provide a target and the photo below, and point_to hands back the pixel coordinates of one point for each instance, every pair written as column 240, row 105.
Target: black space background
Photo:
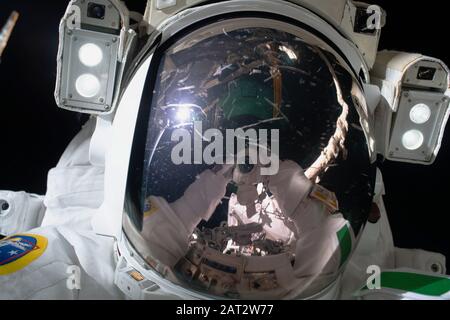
column 34, row 132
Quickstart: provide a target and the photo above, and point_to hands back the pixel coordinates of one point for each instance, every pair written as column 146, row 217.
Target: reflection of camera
column 96, row 11
column 247, row 167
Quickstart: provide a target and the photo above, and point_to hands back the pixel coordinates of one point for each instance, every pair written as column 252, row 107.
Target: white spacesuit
column 72, row 242
column 68, row 251
column 127, row 217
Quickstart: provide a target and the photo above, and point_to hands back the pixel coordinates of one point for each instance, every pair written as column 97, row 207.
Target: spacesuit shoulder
column 33, row 261
column 45, row 264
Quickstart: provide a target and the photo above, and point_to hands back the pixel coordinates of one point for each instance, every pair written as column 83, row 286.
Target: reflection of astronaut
column 290, row 222
column 182, row 217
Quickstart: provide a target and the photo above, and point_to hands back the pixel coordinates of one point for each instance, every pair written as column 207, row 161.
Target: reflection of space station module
column 192, row 103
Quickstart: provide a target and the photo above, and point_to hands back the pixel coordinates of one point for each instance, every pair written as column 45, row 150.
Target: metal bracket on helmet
column 96, row 40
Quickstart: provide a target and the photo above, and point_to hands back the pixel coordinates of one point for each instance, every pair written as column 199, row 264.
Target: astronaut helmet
column 252, row 165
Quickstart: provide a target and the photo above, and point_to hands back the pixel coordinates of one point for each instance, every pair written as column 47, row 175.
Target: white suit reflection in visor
column 291, row 216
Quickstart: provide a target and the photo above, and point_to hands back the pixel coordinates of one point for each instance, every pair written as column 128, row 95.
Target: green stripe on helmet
column 345, row 243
